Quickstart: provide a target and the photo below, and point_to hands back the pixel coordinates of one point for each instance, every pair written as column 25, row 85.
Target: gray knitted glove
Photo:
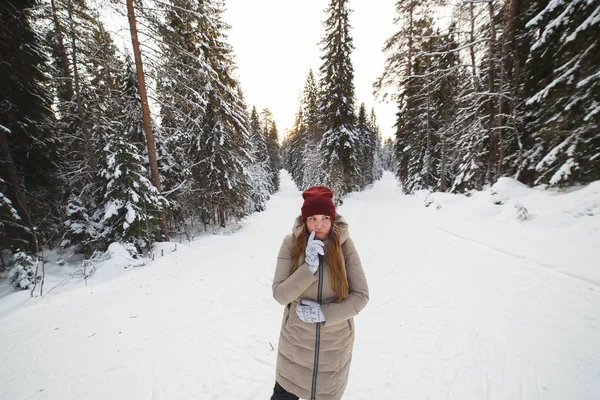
column 313, row 249
column 310, row 312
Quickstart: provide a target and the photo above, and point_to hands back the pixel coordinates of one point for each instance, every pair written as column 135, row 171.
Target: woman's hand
column 310, row 312
column 313, row 249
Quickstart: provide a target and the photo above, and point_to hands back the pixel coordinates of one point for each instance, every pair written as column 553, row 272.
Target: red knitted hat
column 317, row 201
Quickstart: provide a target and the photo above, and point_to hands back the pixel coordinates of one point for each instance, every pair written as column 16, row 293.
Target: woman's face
column 320, row 224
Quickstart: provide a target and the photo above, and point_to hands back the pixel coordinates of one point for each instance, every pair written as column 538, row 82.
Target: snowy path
column 448, row 319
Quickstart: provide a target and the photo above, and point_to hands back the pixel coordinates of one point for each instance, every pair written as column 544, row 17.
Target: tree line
column 494, row 88
column 331, row 143
column 90, row 156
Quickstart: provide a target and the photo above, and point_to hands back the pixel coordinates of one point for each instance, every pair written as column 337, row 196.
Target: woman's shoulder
column 342, row 225
column 288, row 239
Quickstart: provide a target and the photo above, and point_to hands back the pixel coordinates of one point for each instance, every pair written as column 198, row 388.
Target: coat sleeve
column 286, row 287
column 358, row 295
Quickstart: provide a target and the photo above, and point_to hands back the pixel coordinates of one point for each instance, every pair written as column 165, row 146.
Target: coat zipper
column 318, row 334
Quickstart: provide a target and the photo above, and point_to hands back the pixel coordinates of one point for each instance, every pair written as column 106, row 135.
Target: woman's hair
column 333, row 258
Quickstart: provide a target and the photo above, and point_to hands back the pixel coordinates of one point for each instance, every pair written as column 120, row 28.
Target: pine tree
column 274, row 156
column 28, row 148
column 182, row 76
column 388, row 156
column 308, row 145
column 339, row 146
column 376, row 141
column 82, row 229
column 417, row 120
column 408, row 89
column 293, row 147
column 446, row 70
column 567, row 100
column 269, row 130
column 259, row 168
column 309, row 104
column 132, row 206
column 203, row 115
column 470, row 127
column 225, row 125
column 102, row 97
column 367, row 147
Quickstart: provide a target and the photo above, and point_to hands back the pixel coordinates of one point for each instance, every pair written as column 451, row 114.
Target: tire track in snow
column 516, row 256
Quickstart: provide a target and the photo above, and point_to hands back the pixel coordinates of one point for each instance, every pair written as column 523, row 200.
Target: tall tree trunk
column 221, row 213
column 63, row 59
column 410, row 42
column 493, row 157
column 145, row 109
column 476, row 85
column 513, row 70
column 443, row 160
column 81, row 111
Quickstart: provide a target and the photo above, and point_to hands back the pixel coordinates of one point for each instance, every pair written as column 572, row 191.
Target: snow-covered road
column 449, row 318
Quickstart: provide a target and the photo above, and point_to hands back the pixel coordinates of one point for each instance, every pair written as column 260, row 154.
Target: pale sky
column 276, row 43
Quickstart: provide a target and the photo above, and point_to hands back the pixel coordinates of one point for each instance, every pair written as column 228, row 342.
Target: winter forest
column 101, row 144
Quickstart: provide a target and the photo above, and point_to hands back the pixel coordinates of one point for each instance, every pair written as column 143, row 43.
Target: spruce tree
column 182, row 76
column 339, row 146
column 293, row 150
column 259, row 168
column 366, row 149
column 269, row 130
column 132, row 205
column 311, row 114
column 567, row 101
column 28, row 147
column 377, row 144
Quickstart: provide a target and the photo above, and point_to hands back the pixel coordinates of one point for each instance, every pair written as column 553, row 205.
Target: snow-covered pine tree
column 75, row 34
column 309, row 104
column 339, row 146
column 376, row 139
column 418, row 122
column 132, row 205
column 446, row 74
column 388, row 156
column 366, row 147
column 408, row 89
column 9, row 221
column 274, row 150
column 309, row 156
column 223, row 149
column 269, row 129
column 23, row 274
column 259, row 168
column 28, row 147
column 182, row 77
column 536, row 70
column 101, row 98
column 292, row 149
column 82, row 231
column 568, row 100
column 470, row 130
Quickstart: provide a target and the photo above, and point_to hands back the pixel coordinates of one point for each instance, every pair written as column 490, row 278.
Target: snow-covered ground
column 467, row 302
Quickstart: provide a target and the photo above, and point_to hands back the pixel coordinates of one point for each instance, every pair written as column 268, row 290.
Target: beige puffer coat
column 298, row 340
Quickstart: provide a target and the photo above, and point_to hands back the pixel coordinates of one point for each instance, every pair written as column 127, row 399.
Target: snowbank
column 550, row 228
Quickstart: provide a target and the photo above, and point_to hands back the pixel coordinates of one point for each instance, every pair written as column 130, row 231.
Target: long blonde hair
column 333, row 258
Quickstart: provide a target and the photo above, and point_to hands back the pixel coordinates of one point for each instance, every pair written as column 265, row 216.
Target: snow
column 467, row 302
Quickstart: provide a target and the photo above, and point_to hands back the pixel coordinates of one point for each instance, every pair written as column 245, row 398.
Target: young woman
column 320, row 280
